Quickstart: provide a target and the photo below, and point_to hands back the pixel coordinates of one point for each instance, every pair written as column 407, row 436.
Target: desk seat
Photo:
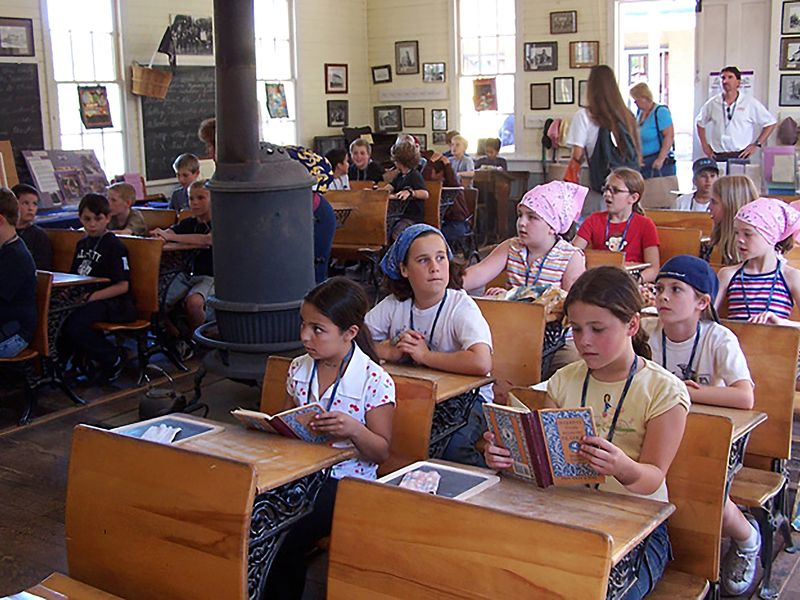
column 676, row 585
column 754, row 487
column 26, row 354
column 135, row 325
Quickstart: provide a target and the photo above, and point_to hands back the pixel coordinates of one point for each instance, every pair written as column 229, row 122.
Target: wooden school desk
column 289, row 473
column 455, row 395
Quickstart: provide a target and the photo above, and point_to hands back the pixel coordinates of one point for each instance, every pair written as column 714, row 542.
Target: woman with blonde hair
column 728, row 195
column 656, row 132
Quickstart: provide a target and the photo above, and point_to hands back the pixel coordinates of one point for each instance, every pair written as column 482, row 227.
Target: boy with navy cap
column 706, row 172
column 688, row 340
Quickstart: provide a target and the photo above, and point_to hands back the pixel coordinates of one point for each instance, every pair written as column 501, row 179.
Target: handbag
column 658, row 192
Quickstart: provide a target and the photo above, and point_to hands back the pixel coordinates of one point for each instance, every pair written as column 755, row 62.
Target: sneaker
column 184, row 349
column 112, row 373
column 739, row 567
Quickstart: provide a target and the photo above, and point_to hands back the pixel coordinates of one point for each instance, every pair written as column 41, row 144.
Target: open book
column 544, row 443
column 292, row 423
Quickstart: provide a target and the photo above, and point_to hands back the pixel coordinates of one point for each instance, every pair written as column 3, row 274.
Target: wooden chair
column 144, row 257
column 674, row 241
column 365, row 228
column 762, row 484
column 682, row 218
column 23, row 362
column 163, row 218
column 64, row 242
column 604, row 258
column 393, row 543
column 361, row 185
column 432, row 204
column 518, row 339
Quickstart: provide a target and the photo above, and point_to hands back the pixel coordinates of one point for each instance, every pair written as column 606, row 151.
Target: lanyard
column 623, row 243
column 342, row 369
column 541, row 265
column 686, row 371
column 435, row 319
column 744, row 291
column 729, row 111
column 628, row 382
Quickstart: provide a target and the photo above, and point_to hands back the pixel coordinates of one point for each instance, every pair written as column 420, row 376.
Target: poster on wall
column 95, row 111
column 65, row 176
column 715, row 83
column 192, row 36
column 484, row 94
column 276, row 101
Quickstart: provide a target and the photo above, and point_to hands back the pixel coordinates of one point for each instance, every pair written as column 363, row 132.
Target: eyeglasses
column 613, row 191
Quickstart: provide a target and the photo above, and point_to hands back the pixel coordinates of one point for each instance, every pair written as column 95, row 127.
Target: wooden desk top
column 627, row 519
column 744, row 421
column 277, row 460
column 175, row 246
column 448, row 385
column 635, row 267
column 62, row 280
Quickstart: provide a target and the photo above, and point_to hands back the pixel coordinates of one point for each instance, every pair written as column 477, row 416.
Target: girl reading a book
column 340, row 371
column 429, row 320
column 688, row 340
column 639, row 407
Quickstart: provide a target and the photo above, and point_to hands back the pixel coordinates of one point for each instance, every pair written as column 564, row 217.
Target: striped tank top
column 752, row 294
column 552, row 270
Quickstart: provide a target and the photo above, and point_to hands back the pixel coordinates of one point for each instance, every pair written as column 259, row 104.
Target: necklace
column 541, row 264
column 771, row 288
column 435, row 319
column 623, row 242
column 339, row 374
column 606, row 401
column 687, row 373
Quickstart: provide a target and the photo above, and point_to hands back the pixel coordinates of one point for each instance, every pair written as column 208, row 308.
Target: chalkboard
column 455, row 482
column 169, row 126
column 21, row 111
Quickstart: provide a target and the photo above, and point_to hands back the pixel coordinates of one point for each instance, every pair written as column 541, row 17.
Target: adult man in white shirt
column 733, row 125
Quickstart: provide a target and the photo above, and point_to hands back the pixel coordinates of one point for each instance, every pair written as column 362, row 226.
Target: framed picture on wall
column 563, row 90
column 335, row 79
column 439, row 138
column 790, row 53
column 16, row 37
column 382, row 74
column 95, row 111
column 422, row 138
column 565, row 21
column 583, row 55
column 583, row 85
column 388, row 118
column 276, row 101
column 414, row 117
column 433, row 72
column 439, row 119
column 540, row 96
column 790, row 19
column 338, row 113
column 406, row 57
column 790, row 91
column 541, row 56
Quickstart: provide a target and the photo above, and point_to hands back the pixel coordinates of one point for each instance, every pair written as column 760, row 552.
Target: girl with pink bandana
column 763, row 288
column 538, row 255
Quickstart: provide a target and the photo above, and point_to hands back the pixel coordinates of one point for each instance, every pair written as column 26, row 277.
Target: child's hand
column 413, row 344
column 496, row 457
column 495, row 291
column 692, row 385
column 335, row 423
column 603, row 456
column 768, row 318
column 403, row 194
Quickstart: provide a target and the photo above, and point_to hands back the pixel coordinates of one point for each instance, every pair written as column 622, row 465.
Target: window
column 84, row 52
column 487, row 49
column 275, row 64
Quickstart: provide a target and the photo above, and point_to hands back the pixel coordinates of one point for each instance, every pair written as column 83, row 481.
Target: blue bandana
column 397, row 252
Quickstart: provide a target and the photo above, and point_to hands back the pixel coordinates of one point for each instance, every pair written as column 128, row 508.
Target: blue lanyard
column 744, row 291
column 628, row 382
column 686, row 371
column 541, row 265
column 435, row 319
column 623, row 243
column 342, row 369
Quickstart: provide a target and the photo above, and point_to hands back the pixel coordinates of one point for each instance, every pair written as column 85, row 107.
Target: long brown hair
column 733, row 192
column 616, row 291
column 607, row 108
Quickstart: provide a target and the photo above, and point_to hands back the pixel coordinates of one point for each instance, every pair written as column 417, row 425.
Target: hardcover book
column 292, row 423
column 544, row 443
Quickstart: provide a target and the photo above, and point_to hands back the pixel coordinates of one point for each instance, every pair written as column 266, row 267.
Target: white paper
column 44, row 174
column 783, row 168
column 163, row 434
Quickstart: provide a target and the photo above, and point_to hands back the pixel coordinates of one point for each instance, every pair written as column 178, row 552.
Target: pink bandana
column 558, row 203
column 773, row 219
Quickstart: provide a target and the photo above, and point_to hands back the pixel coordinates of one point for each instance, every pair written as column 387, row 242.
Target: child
column 193, row 286
column 100, row 254
column 689, row 342
column 338, row 159
column 635, row 446
column 430, row 320
column 763, row 289
column 363, row 168
column 454, row 220
column 623, row 228
column 706, row 173
column 461, row 162
column 728, row 195
column 408, row 186
column 340, row 371
column 18, row 274
column 448, row 139
column 35, row 237
column 492, row 159
column 187, row 170
column 124, row 219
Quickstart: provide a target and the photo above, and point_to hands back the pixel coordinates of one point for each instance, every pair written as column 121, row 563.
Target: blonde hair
column 460, row 139
column 199, row 183
column 362, row 143
column 634, row 181
column 733, row 192
column 641, row 90
column 125, row 191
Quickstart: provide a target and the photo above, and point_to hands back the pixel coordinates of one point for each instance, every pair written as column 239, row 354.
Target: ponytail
column 364, row 342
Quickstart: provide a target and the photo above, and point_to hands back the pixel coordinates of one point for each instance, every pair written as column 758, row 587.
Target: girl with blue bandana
column 428, row 319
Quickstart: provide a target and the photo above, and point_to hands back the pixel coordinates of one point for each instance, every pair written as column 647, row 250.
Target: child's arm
column 111, row 291
column 725, row 274
column 739, row 394
column 792, row 277
column 388, row 351
column 651, row 256
column 475, row 360
column 490, row 267
column 371, row 440
column 193, row 239
column 575, row 268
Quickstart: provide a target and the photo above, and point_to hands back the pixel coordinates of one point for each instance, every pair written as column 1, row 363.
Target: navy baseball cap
column 695, row 272
column 704, row 164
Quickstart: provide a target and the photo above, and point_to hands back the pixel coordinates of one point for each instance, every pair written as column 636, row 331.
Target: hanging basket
column 150, row 82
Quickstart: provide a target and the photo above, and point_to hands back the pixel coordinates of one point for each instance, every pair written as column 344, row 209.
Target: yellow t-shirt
column 653, row 391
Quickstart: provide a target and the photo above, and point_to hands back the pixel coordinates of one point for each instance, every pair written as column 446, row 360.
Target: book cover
column 510, row 428
column 562, row 430
column 292, row 423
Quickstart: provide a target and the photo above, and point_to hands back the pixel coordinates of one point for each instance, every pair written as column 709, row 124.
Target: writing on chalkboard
column 20, row 111
column 169, row 126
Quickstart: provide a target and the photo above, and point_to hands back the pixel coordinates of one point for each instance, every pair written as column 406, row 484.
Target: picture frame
column 563, row 90
column 583, row 86
column 406, row 58
column 540, row 96
column 276, row 101
column 16, row 37
column 433, row 72
column 422, row 138
column 439, row 119
column 95, row 111
column 484, row 94
column 382, row 74
column 790, row 18
column 192, row 35
column 541, row 56
column 563, row 21
column 584, row 55
column 338, row 113
column 388, row 119
column 335, row 78
column 439, row 138
column 414, row 117
column 789, row 90
column 790, row 54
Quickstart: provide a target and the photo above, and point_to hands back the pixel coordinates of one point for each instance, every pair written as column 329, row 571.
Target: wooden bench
column 360, row 185
column 163, row 218
column 389, row 542
column 433, row 204
column 674, row 241
column 64, row 242
column 682, row 219
column 604, row 258
column 365, row 228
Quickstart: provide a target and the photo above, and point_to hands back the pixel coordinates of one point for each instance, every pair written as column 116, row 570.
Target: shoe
column 112, row 373
column 184, row 349
column 739, row 567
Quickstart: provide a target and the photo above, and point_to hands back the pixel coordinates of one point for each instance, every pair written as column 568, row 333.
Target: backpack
column 607, row 156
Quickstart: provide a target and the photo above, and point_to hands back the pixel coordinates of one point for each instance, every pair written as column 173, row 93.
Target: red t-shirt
column 641, row 234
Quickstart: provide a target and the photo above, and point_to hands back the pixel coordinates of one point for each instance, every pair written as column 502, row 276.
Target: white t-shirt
column 719, row 360
column 583, row 132
column 732, row 135
column 460, row 326
column 687, row 202
column 342, row 182
column 364, row 386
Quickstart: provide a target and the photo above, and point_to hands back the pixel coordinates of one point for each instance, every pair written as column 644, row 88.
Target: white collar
column 352, row 382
